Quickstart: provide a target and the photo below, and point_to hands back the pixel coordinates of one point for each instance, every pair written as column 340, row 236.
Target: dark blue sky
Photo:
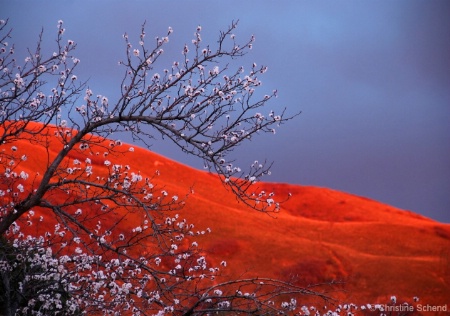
column 372, row 79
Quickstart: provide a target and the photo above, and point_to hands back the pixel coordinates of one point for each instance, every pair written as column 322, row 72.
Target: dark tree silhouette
column 78, row 262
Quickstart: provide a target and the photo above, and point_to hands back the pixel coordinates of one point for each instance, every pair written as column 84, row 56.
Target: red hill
column 320, row 235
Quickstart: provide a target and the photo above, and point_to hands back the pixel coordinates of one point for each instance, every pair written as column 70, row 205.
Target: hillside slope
column 320, row 235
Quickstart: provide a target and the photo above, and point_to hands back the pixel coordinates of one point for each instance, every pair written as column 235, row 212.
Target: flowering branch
column 66, row 253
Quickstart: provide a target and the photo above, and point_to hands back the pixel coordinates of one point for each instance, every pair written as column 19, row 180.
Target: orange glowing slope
column 320, row 235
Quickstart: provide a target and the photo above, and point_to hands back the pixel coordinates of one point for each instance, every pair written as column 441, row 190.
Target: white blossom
column 20, row 188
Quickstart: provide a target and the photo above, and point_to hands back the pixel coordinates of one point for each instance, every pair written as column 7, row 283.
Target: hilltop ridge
column 319, row 235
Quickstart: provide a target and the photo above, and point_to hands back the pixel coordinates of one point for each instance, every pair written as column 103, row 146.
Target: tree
column 78, row 262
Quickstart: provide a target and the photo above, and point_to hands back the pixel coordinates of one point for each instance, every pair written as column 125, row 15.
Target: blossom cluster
column 56, row 272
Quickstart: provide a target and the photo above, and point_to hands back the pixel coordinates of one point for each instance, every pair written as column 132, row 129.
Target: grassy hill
column 320, row 235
